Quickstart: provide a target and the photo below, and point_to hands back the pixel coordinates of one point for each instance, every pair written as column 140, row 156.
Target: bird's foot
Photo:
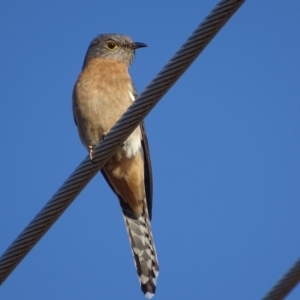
column 105, row 134
column 91, row 149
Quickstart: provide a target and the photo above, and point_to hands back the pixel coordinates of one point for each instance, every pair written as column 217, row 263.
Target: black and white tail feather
column 143, row 249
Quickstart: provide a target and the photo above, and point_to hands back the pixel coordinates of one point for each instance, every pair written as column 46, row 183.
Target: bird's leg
column 91, row 148
column 105, row 133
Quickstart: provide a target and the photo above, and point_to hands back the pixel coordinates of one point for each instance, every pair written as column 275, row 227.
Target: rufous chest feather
column 105, row 91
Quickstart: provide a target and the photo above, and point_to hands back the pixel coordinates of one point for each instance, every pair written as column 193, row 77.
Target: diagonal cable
column 117, row 135
column 285, row 285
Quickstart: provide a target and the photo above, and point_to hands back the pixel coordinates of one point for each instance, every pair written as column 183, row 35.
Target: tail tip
column 148, row 289
column 149, row 295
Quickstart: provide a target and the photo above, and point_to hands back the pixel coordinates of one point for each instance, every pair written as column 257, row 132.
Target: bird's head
column 116, row 47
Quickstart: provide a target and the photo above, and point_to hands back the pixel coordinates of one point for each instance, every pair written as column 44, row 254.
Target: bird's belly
column 99, row 118
column 96, row 120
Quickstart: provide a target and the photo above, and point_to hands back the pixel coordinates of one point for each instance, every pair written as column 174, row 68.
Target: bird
column 102, row 93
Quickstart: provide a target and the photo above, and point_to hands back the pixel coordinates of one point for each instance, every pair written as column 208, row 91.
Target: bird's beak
column 137, row 45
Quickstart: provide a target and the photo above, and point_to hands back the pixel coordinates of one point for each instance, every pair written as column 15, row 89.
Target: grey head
column 118, row 47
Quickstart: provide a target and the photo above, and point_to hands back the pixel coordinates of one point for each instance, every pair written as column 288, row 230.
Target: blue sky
column 224, row 143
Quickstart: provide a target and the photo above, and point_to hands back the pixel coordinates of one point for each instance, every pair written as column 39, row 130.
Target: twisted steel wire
column 284, row 286
column 117, row 135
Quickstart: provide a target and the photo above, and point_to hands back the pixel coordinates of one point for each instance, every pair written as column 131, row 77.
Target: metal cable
column 284, row 286
column 117, row 135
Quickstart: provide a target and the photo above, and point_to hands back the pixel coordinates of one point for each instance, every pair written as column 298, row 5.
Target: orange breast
column 101, row 95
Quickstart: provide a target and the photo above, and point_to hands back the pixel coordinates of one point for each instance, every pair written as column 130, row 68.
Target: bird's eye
column 111, row 45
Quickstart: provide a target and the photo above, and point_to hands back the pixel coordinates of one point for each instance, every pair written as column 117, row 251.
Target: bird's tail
column 143, row 249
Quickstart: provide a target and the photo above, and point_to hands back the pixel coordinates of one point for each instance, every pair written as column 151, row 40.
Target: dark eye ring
column 111, row 45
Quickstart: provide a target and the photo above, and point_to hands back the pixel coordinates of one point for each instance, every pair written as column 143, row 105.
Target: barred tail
column 143, row 249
